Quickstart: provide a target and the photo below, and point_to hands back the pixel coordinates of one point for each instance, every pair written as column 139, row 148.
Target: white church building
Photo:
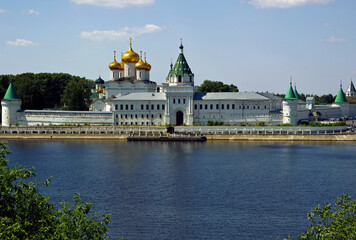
column 131, row 98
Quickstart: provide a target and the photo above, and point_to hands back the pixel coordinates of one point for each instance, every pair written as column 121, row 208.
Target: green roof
column 181, row 67
column 290, row 93
column 11, row 94
column 296, row 94
column 340, row 98
column 94, row 95
column 99, row 81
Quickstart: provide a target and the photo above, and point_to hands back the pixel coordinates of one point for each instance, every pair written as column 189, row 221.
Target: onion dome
column 140, row 64
column 114, row 65
column 100, row 90
column 130, row 56
column 148, row 66
column 99, row 81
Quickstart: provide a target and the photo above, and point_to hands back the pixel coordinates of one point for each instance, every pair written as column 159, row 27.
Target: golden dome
column 140, row 64
column 114, row 65
column 148, row 66
column 100, row 90
column 130, row 56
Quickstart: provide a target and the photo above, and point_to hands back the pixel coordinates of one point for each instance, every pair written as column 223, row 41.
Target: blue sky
column 254, row 44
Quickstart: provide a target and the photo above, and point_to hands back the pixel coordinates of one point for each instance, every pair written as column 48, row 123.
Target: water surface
column 211, row 190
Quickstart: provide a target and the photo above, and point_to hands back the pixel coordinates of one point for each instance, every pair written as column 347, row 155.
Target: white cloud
column 121, row 34
column 335, row 40
column 20, row 43
column 285, row 3
column 31, row 12
column 2, row 10
column 115, row 3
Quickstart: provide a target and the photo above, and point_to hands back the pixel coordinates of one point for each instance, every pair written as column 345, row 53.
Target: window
column 147, row 116
column 174, row 101
column 254, row 107
column 152, row 107
column 127, row 107
column 206, row 106
column 117, row 115
column 131, row 116
column 152, row 115
column 142, row 107
column 201, row 106
column 183, row 100
column 179, row 78
column 217, row 106
column 116, row 107
column 233, row 106
column 178, row 100
column 248, row 107
column 147, row 107
column 121, row 107
column 160, row 116
column 162, row 106
column 265, row 107
column 258, row 107
column 136, row 117
column 140, row 74
column 126, row 116
column 228, row 106
column 211, row 106
column 195, row 106
column 131, row 107
column 222, row 106
column 243, row 107
column 122, row 116
column 157, row 106
column 141, row 115
column 239, row 107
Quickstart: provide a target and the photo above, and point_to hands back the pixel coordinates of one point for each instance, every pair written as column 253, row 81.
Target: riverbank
column 209, row 137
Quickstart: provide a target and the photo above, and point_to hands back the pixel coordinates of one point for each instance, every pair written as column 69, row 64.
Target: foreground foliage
column 329, row 222
column 27, row 214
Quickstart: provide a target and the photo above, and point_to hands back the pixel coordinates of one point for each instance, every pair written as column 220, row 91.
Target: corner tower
column 341, row 102
column 10, row 104
column 290, row 107
column 180, row 74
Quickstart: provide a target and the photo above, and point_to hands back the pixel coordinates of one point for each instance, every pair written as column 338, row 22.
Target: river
column 184, row 190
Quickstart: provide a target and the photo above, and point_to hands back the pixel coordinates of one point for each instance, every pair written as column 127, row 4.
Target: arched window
column 179, row 78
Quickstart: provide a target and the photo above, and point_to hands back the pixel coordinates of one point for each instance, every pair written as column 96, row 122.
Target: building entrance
column 179, row 118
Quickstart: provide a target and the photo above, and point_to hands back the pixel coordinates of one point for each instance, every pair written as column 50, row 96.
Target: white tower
column 290, row 107
column 10, row 105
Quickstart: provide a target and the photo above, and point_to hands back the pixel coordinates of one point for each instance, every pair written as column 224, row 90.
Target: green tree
column 27, row 214
column 216, row 86
column 332, row 223
column 76, row 95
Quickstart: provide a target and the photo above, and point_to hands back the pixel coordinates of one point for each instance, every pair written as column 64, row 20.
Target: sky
column 256, row 45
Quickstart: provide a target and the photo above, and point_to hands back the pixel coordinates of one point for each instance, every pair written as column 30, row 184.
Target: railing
column 261, row 130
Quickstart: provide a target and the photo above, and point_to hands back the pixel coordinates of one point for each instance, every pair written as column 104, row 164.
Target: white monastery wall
column 48, row 117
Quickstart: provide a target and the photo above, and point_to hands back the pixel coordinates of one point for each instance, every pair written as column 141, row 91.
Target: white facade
column 131, row 98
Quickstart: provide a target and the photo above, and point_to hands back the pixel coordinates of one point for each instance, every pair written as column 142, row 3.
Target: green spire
column 11, row 93
column 290, row 93
column 340, row 98
column 181, row 67
column 296, row 94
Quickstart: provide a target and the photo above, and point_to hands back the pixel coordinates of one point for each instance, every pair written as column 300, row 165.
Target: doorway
column 179, row 118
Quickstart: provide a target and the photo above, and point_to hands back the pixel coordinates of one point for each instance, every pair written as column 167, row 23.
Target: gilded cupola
column 114, row 65
column 140, row 64
column 130, row 56
column 148, row 66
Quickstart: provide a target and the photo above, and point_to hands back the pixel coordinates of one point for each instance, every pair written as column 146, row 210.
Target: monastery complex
column 131, row 98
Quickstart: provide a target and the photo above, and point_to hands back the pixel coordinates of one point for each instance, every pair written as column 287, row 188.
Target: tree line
column 49, row 90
